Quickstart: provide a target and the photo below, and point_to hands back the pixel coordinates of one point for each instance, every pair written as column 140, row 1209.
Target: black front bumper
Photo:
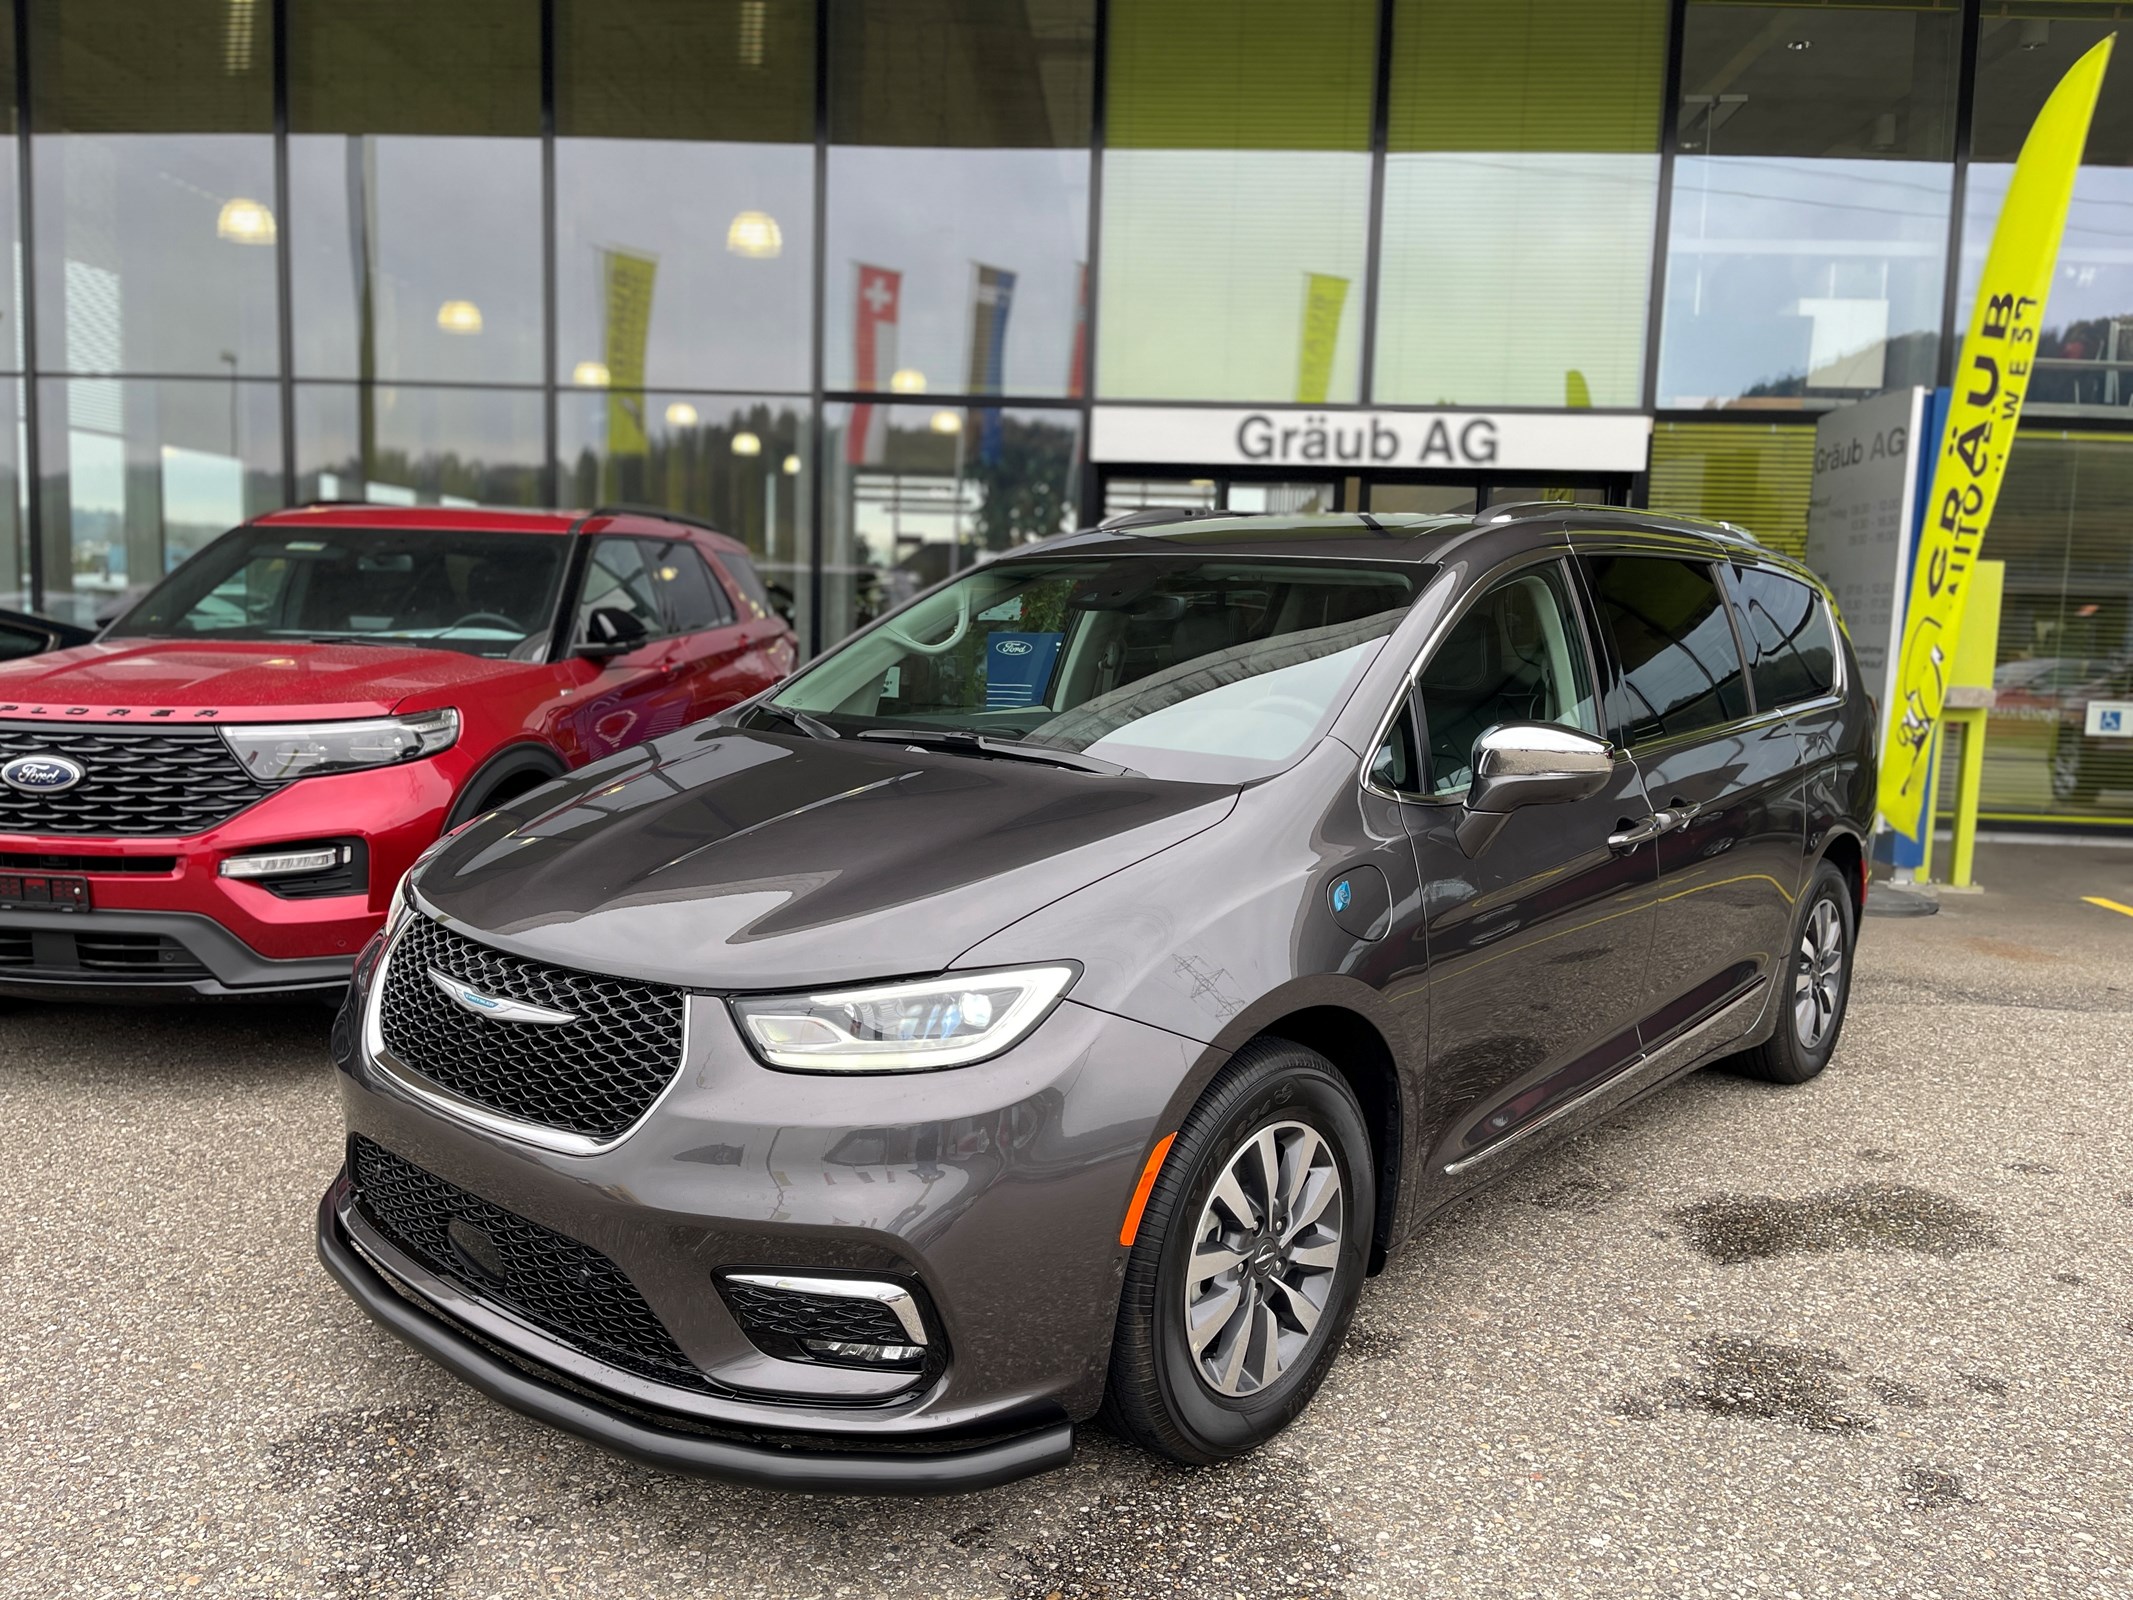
column 909, row 1472
column 184, row 956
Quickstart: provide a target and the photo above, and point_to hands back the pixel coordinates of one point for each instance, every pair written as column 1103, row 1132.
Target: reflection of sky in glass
column 1546, row 272
column 1206, row 259
column 1780, row 271
column 2093, row 284
column 935, row 216
column 132, row 275
column 450, row 219
column 719, row 319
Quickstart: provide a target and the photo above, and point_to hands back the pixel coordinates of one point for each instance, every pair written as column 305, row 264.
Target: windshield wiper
column 959, row 741
column 361, row 638
column 813, row 726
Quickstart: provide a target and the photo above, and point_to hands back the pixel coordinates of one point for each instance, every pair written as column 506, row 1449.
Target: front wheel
column 1250, row 1255
column 1813, row 993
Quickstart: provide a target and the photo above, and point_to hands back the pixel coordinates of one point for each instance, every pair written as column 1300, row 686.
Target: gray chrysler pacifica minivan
column 1058, row 998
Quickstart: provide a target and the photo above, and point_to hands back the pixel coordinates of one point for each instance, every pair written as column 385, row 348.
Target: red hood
column 233, row 682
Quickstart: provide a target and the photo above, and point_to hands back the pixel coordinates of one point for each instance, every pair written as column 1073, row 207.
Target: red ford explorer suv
column 219, row 795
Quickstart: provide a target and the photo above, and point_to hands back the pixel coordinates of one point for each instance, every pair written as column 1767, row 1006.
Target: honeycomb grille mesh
column 594, row 1076
column 561, row 1286
column 138, row 781
column 796, row 1314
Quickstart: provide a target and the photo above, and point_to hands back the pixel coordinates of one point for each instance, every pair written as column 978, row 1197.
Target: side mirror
column 1529, row 764
column 610, row 632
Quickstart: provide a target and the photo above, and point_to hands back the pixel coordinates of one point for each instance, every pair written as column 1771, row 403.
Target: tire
column 2072, row 777
column 1810, row 1009
column 1159, row 1397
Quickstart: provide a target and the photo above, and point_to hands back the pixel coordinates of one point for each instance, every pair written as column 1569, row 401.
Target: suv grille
column 135, row 781
column 568, row 1289
column 593, row 1077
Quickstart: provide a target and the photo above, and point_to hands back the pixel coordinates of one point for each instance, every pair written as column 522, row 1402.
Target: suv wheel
column 1814, row 989
column 1250, row 1255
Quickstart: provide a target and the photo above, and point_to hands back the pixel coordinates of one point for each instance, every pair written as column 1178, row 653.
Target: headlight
column 274, row 754
column 902, row 1027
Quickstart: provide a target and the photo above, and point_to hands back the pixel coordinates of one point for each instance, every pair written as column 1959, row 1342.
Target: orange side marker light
column 1131, row 1228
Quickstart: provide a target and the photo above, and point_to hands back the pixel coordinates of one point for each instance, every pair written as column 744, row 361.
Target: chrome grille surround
column 579, row 1087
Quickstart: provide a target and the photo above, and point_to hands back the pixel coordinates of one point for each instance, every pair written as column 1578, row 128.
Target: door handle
column 1629, row 837
column 1679, row 814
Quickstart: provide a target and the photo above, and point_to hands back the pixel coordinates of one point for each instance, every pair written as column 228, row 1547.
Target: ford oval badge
column 41, row 774
column 1014, row 647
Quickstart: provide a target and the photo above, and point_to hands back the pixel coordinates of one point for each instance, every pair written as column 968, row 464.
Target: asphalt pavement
column 1868, row 1337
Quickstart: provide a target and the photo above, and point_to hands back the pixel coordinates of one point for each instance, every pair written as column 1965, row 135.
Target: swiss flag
column 873, row 360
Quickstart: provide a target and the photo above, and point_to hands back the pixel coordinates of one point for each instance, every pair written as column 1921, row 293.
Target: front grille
column 86, row 951
column 145, row 865
column 595, row 1076
column 563, row 1287
column 134, row 780
column 152, row 955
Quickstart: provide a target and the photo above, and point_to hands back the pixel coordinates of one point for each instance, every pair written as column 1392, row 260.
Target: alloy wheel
column 1819, row 979
column 1264, row 1255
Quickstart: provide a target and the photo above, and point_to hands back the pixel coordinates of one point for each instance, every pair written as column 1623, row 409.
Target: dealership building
column 884, row 286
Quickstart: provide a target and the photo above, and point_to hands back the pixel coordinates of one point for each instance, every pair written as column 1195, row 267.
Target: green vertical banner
column 1324, row 298
column 627, row 281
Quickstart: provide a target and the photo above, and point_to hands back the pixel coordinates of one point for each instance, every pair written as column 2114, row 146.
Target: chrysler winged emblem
column 499, row 1010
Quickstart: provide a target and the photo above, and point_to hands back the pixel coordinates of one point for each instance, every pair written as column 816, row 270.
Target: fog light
column 286, row 863
column 873, row 1355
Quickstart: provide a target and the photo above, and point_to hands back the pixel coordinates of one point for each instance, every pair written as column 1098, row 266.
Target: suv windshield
column 486, row 594
column 1215, row 670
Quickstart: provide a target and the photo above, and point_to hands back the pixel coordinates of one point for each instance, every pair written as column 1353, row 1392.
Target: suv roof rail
column 658, row 513
column 1149, row 516
column 1714, row 527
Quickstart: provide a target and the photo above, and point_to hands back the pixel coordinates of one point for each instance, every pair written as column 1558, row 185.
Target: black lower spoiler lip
column 886, row 1472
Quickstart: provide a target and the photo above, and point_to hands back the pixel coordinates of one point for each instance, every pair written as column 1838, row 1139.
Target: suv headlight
column 948, row 1021
column 275, row 753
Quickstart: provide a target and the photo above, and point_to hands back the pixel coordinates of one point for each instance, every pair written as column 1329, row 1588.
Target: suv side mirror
column 782, row 601
column 610, row 632
column 1529, row 764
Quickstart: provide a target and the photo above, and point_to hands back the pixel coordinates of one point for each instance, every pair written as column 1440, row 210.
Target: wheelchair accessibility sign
column 2110, row 719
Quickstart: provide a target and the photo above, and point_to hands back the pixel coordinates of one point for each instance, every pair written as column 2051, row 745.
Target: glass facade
column 849, row 278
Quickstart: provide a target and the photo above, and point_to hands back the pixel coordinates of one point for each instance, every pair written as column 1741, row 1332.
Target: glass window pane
column 1788, row 631
column 2085, row 356
column 1756, row 475
column 154, row 188
column 916, row 493
column 958, row 206
column 1521, row 182
column 140, row 473
column 420, row 446
column 2066, row 629
column 1516, row 655
column 692, row 597
column 1808, row 231
column 14, row 509
column 738, row 463
column 619, row 599
column 415, row 178
column 663, row 98
column 1681, row 667
column 1236, row 199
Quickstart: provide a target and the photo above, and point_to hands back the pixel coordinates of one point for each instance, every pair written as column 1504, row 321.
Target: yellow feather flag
column 1990, row 380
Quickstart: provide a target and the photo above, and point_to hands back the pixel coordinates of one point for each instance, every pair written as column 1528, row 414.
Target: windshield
column 1208, row 670
column 485, row 594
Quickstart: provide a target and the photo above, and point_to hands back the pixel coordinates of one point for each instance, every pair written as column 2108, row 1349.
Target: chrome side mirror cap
column 1529, row 764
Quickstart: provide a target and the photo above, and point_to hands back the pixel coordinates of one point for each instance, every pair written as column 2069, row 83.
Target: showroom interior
column 882, row 286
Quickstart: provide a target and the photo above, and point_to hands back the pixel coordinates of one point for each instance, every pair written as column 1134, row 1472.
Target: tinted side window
column 617, row 579
column 1681, row 668
column 694, row 599
column 1397, row 766
column 1516, row 655
column 17, row 642
column 746, row 579
column 1789, row 634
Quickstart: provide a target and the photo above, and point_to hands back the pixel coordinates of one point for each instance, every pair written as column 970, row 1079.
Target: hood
column 235, row 681
column 723, row 859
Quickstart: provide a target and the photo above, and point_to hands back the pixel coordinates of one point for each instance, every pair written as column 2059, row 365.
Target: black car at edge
column 1057, row 999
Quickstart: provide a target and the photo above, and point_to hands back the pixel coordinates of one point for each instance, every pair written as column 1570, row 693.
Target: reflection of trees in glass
column 1908, row 358
column 434, row 475
column 694, row 469
column 1028, row 482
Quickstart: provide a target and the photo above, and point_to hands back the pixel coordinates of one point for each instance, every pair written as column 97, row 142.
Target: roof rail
column 1149, row 516
column 629, row 509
